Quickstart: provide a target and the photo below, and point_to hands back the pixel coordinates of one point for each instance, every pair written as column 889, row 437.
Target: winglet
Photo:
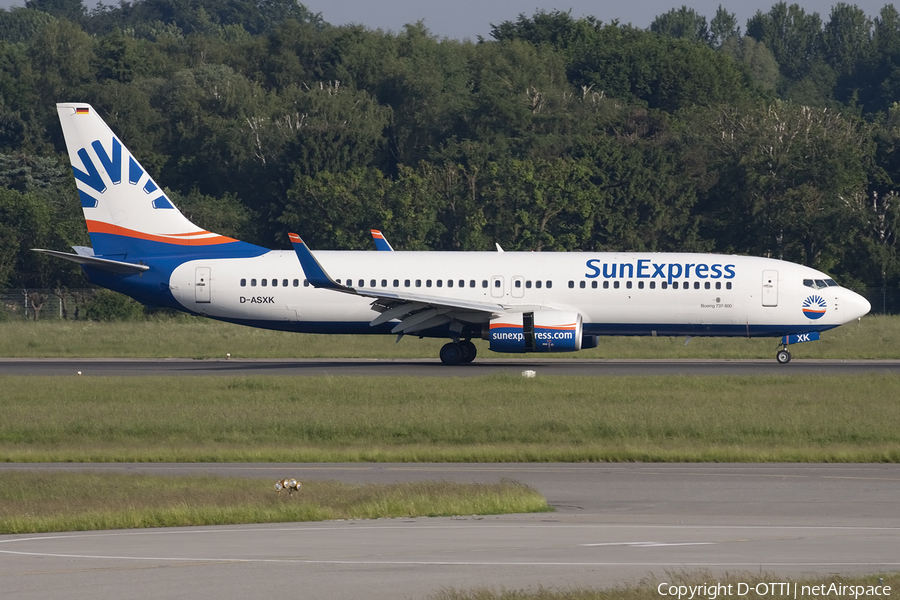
column 381, row 242
column 315, row 274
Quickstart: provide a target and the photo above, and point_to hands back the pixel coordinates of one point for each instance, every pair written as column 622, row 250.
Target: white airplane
column 517, row 301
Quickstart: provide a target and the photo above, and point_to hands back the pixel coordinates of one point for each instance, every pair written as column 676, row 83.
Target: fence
column 34, row 304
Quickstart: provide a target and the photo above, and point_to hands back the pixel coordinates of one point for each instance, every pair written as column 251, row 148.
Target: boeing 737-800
column 144, row 247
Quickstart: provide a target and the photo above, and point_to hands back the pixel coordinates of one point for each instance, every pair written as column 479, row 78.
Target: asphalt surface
column 433, row 367
column 614, row 524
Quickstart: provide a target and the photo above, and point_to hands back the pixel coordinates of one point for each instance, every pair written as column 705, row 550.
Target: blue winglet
column 315, row 274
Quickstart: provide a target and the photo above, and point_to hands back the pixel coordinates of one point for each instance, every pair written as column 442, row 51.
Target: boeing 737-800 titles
column 144, row 247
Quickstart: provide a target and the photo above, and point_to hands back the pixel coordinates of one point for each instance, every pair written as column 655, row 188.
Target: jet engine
column 538, row 331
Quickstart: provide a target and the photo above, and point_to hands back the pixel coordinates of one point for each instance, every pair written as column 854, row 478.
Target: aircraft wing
column 416, row 312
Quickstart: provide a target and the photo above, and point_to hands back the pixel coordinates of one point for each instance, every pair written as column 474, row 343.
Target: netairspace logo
column 782, row 589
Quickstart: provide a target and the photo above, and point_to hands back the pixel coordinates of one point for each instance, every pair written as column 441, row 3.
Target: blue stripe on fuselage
column 112, row 245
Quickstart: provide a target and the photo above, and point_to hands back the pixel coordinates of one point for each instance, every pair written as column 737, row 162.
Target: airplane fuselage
column 616, row 293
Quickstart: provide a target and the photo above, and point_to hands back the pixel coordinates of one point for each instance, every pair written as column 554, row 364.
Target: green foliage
column 557, row 133
column 683, row 23
column 107, row 305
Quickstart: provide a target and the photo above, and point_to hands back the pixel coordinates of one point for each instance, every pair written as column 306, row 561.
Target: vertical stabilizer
column 126, row 212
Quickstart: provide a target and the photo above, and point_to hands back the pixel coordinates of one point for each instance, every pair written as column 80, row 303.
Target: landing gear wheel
column 783, row 357
column 469, row 351
column 452, row 354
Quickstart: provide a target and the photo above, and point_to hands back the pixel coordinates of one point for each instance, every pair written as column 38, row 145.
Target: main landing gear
column 457, row 353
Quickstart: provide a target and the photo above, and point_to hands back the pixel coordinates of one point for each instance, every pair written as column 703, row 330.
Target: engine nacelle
column 538, row 331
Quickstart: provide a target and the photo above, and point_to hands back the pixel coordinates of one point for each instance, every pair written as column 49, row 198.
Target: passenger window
column 537, row 284
column 284, row 283
column 718, row 285
column 472, row 283
column 582, row 284
column 396, row 283
column 484, row 283
column 449, row 283
column 640, row 285
column 427, row 283
column 384, row 283
column 418, row 283
column 274, row 283
column 606, row 285
column 528, row 284
column 362, row 283
column 549, row 284
column 263, row 282
column 243, row 283
column 728, row 286
column 440, row 283
column 571, row 284
column 674, row 285
column 372, row 283
column 462, row 283
column 616, row 284
column 406, row 283
column 628, row 284
column 706, row 285
column 594, row 284
column 664, row 285
column 497, row 283
column 296, row 283
column 652, row 285
column 306, row 283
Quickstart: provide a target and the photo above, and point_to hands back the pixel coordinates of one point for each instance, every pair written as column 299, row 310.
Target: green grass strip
column 48, row 501
column 874, row 337
column 807, row 588
column 495, row 418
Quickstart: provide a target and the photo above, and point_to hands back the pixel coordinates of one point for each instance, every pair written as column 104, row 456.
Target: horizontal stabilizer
column 112, row 266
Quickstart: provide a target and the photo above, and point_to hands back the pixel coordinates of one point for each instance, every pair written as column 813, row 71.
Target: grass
column 48, row 501
column 647, row 589
column 875, row 337
column 480, row 419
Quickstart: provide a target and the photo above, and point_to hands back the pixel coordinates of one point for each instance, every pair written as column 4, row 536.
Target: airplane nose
column 857, row 305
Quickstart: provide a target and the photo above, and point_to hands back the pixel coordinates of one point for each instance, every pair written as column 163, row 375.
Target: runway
column 615, row 524
column 433, row 367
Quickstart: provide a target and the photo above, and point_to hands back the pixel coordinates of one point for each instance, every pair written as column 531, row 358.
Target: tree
column 723, row 27
column 683, row 23
column 755, row 58
column 794, row 37
column 789, row 176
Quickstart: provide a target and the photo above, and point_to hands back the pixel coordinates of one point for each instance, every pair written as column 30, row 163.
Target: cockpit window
column 818, row 284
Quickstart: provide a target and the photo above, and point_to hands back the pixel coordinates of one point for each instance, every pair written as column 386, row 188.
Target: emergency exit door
column 770, row 288
column 201, row 285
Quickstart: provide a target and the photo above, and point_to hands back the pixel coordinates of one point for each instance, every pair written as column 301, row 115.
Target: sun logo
column 814, row 307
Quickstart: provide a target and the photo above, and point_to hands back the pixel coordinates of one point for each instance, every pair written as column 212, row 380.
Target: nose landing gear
column 783, row 356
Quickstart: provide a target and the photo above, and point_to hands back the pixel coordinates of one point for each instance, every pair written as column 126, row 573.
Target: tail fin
column 126, row 212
